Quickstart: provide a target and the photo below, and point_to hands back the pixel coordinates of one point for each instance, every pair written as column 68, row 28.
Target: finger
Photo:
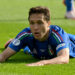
column 34, row 64
column 29, row 65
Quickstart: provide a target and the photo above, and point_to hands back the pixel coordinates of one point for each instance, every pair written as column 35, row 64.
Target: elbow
column 66, row 61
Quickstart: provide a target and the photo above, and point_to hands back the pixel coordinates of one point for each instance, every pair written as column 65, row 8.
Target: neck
column 45, row 36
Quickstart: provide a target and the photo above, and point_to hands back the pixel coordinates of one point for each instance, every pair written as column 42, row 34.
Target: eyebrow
column 34, row 20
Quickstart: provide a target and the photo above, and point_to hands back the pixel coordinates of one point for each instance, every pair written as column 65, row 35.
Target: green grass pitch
column 13, row 18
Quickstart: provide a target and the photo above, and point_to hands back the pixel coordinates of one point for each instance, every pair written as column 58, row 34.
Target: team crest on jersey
column 43, row 57
column 16, row 42
column 42, row 50
column 51, row 52
column 34, row 51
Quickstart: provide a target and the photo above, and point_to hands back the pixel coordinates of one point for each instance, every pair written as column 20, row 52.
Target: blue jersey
column 58, row 39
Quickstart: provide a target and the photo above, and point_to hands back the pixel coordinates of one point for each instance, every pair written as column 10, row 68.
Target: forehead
column 37, row 17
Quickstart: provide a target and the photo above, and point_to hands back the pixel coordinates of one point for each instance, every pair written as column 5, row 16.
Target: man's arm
column 62, row 58
column 7, row 43
column 6, row 54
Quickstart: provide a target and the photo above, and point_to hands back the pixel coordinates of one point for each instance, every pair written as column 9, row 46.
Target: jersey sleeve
column 20, row 40
column 60, row 38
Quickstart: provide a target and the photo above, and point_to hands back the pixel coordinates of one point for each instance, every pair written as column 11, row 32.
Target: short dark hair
column 40, row 10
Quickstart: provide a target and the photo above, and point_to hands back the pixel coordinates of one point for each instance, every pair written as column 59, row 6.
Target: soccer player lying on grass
column 49, row 43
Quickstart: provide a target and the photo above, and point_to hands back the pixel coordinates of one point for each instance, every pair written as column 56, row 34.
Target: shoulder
column 57, row 33
column 24, row 32
column 57, row 30
column 27, row 30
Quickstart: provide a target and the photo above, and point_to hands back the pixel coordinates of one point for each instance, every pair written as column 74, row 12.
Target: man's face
column 39, row 26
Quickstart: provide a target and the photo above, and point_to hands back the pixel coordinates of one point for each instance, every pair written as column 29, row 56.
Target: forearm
column 57, row 60
column 6, row 54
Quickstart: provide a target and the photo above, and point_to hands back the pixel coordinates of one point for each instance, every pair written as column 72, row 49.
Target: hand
column 35, row 64
column 40, row 63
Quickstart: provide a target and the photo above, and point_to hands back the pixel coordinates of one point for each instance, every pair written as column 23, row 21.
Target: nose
column 36, row 27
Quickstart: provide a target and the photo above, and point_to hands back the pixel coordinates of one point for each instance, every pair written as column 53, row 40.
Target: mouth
column 37, row 34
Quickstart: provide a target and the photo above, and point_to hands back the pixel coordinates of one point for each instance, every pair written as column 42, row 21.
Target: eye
column 40, row 22
column 31, row 23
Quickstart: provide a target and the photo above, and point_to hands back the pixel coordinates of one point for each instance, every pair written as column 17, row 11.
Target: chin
column 38, row 38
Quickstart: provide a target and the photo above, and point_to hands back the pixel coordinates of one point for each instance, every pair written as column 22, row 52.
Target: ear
column 49, row 23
